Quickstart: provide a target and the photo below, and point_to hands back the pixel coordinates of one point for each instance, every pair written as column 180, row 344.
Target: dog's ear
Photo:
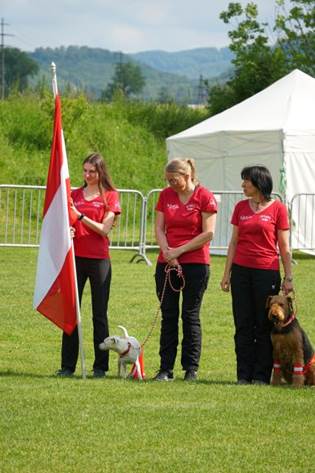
column 268, row 301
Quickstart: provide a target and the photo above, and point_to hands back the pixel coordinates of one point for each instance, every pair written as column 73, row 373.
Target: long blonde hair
column 183, row 166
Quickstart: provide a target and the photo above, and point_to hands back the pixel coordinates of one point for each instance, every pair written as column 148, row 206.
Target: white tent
column 275, row 128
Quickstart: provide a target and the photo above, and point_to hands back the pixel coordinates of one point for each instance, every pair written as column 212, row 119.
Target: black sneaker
column 64, row 373
column 259, row 382
column 190, row 375
column 97, row 373
column 165, row 375
column 243, row 381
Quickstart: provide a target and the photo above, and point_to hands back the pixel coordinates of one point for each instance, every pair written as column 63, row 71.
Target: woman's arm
column 286, row 258
column 102, row 228
column 161, row 237
column 225, row 282
column 208, row 227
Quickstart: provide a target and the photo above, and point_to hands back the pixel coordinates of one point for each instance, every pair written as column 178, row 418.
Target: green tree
column 296, row 30
column 127, row 79
column 18, row 68
column 258, row 62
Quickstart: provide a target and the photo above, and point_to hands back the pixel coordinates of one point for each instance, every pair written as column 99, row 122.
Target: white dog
column 128, row 349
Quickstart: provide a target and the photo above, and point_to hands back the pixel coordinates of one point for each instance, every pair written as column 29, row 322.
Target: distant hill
column 171, row 75
column 208, row 62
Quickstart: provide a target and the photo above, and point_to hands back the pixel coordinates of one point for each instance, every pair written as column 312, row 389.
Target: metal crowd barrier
column 21, row 215
column 302, row 218
column 226, row 202
column 21, row 210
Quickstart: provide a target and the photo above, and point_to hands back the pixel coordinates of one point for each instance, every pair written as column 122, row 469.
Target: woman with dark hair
column 260, row 229
column 96, row 205
column 185, row 224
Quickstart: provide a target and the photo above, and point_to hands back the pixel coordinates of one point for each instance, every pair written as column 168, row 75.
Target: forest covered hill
column 208, row 62
column 174, row 75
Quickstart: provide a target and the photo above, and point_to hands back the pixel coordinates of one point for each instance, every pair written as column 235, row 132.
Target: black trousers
column 196, row 281
column 98, row 271
column 250, row 289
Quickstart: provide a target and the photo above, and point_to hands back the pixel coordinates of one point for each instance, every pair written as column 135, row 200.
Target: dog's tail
column 124, row 330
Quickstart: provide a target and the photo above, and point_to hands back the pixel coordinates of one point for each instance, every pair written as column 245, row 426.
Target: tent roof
column 287, row 104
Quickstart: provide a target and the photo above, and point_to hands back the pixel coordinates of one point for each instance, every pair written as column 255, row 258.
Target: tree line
column 263, row 53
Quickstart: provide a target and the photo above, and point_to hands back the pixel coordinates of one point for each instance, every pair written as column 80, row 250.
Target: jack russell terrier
column 128, row 349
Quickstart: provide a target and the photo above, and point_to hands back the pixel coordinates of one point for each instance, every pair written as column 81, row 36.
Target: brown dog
column 293, row 354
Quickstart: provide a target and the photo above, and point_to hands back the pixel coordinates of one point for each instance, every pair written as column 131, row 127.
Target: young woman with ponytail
column 185, row 224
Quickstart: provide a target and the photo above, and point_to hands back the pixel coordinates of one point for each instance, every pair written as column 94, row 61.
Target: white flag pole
column 77, row 302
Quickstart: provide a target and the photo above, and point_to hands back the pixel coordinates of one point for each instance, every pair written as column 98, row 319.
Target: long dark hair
column 260, row 177
column 105, row 181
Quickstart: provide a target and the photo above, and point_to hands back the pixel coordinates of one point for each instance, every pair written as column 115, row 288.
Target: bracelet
column 288, row 279
column 81, row 217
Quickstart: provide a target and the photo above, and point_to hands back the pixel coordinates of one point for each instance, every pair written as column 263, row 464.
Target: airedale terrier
column 293, row 354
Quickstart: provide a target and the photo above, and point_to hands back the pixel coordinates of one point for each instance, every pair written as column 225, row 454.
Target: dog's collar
column 126, row 351
column 289, row 321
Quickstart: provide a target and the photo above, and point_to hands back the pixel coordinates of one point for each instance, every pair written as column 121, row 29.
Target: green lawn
column 84, row 426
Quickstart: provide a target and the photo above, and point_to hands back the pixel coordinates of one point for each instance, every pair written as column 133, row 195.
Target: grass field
column 111, row 425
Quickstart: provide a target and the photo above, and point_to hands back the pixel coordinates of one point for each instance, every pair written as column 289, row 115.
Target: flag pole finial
column 54, row 78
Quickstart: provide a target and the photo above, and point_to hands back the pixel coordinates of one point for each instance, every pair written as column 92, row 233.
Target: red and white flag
column 55, row 286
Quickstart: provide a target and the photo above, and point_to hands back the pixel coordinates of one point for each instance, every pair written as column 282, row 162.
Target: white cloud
column 126, row 25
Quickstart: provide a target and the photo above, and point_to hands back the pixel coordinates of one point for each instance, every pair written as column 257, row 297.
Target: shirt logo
column 190, row 207
column 245, row 217
column 172, row 206
column 265, row 218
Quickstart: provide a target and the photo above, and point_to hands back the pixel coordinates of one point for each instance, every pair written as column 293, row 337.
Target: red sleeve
column 235, row 215
column 74, row 193
column 208, row 202
column 112, row 201
column 160, row 203
column 282, row 218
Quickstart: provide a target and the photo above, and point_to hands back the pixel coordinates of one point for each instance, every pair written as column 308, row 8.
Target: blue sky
column 120, row 25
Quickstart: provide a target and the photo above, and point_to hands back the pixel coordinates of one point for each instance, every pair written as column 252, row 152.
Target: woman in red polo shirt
column 260, row 228
column 96, row 205
column 185, row 224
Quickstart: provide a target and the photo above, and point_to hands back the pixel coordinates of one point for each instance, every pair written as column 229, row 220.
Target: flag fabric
column 55, row 286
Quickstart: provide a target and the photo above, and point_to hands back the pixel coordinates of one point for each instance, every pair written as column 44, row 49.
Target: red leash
column 168, row 270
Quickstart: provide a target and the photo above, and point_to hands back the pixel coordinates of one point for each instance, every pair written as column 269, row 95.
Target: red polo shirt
column 257, row 245
column 88, row 243
column 183, row 222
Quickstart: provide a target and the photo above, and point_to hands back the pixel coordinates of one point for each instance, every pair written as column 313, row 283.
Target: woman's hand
column 173, row 262
column 225, row 283
column 72, row 232
column 287, row 286
column 171, row 254
column 74, row 210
